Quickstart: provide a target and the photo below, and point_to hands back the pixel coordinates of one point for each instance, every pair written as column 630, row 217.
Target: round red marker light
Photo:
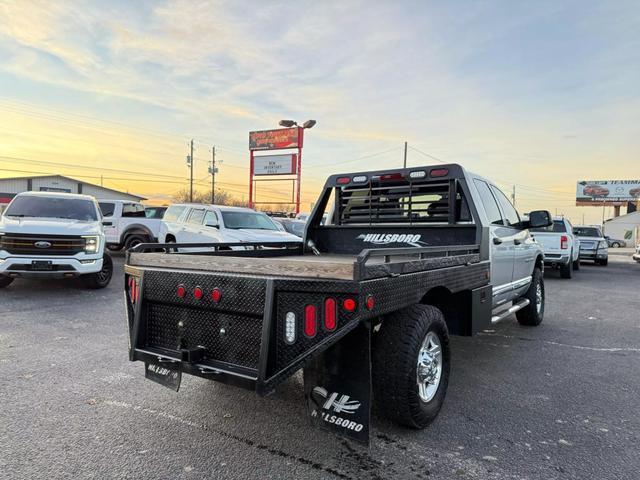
column 216, row 295
column 181, row 291
column 197, row 293
column 349, row 304
column 370, row 302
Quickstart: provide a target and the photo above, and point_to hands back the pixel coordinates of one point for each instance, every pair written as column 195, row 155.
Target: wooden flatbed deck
column 326, row 266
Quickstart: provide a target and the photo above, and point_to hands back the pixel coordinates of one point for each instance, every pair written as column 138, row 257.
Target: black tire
column 171, row 239
column 576, row 264
column 5, row 281
column 530, row 316
column 133, row 240
column 395, row 365
column 99, row 279
column 114, row 248
column 615, row 244
column 603, row 263
column 566, row 271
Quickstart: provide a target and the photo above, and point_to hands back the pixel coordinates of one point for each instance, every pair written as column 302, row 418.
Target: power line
column 427, row 154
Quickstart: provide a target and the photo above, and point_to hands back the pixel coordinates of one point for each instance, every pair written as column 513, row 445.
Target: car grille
column 25, row 244
column 587, row 245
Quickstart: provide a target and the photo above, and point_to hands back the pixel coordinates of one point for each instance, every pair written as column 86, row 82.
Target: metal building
column 9, row 187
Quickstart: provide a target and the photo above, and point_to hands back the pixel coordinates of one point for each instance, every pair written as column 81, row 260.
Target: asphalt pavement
column 560, row 401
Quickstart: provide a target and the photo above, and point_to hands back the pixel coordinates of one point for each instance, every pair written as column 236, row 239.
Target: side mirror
column 540, row 219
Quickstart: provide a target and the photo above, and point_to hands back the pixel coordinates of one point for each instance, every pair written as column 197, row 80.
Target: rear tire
column 533, row 314
column 576, row 264
column 5, row 281
column 615, row 245
column 603, row 263
column 566, row 271
column 410, row 377
column 133, row 241
column 99, row 279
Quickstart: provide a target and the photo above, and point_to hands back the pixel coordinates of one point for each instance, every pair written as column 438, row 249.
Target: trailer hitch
column 192, row 355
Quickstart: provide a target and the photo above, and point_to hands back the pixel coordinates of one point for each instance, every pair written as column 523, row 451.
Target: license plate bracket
column 162, row 375
column 41, row 265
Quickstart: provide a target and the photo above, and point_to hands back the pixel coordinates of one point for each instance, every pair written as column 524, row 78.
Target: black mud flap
column 337, row 386
column 164, row 376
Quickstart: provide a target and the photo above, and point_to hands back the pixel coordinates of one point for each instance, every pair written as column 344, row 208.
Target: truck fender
column 138, row 229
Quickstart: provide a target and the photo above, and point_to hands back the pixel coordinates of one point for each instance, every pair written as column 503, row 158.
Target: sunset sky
column 536, row 94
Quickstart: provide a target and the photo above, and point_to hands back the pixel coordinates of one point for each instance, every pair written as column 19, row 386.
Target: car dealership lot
column 558, row 401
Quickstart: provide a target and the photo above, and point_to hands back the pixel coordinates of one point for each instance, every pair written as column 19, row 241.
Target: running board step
column 513, row 309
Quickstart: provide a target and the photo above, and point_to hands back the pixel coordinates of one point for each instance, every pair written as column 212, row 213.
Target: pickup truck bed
column 367, row 265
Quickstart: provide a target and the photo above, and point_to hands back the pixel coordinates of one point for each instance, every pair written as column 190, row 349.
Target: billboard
column 275, row 164
column 275, row 139
column 607, row 192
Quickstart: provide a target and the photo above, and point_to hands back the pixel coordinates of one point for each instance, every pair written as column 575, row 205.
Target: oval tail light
column 310, row 321
column 330, row 314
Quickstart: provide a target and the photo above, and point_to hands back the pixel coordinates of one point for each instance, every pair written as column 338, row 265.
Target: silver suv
column 593, row 244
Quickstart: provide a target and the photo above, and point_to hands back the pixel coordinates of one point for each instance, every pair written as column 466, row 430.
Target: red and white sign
column 275, row 164
column 275, row 139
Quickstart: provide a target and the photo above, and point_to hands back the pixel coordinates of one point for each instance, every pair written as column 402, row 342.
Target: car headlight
column 91, row 243
column 603, row 244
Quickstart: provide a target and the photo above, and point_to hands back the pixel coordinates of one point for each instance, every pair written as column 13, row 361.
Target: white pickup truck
column 561, row 247
column 56, row 235
column 126, row 225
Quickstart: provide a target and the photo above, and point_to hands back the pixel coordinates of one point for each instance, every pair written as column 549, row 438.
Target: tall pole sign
column 288, row 164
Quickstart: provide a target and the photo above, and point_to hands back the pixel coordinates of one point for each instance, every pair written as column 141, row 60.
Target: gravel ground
column 557, row 401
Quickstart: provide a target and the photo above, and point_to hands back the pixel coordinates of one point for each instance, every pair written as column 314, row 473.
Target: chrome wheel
column 539, row 295
column 429, row 368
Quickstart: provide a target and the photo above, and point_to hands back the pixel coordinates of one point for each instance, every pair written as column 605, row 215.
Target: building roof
column 74, row 180
column 633, row 217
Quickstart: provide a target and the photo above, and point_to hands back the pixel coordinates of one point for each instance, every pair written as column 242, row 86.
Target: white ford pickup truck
column 59, row 235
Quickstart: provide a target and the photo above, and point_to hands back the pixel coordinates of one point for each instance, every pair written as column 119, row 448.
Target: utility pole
column 191, row 177
column 213, row 175
column 405, row 154
column 101, row 181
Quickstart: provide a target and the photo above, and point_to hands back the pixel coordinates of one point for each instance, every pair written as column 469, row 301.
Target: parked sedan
column 615, row 243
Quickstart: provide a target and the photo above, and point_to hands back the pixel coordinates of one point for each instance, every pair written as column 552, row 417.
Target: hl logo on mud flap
column 339, row 405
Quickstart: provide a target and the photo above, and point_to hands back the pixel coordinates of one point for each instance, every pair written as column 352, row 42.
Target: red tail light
column 181, row 291
column 370, row 302
column 216, row 295
column 134, row 289
column 310, row 321
column 330, row 314
column 439, row 172
column 349, row 304
column 197, row 293
column 564, row 242
column 343, row 180
column 390, row 176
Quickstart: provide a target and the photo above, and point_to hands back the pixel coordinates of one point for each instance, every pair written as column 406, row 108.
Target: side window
column 173, row 213
column 107, row 208
column 132, row 210
column 489, row 203
column 510, row 213
column 211, row 219
column 196, row 216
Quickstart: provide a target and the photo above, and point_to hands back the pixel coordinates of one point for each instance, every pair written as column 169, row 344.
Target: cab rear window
column 557, row 227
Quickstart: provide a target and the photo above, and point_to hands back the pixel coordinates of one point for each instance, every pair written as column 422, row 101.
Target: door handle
column 517, row 241
column 107, row 224
column 497, row 241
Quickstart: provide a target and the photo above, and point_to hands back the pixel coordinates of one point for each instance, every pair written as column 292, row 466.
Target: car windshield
column 557, row 227
column 236, row 220
column 587, row 232
column 52, row 207
column 297, row 228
